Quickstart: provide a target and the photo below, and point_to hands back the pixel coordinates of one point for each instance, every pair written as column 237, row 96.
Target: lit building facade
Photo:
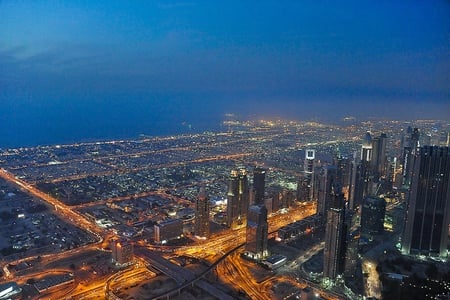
column 122, row 252
column 202, row 209
column 168, row 230
column 238, row 199
column 256, row 232
column 305, row 186
column 362, row 173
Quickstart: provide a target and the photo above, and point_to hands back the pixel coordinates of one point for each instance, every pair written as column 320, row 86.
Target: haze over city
column 96, row 70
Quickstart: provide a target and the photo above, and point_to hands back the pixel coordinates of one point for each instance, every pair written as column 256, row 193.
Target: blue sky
column 180, row 61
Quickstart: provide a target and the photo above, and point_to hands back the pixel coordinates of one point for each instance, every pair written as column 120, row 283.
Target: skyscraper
column 367, row 149
column 256, row 233
column 379, row 157
column 410, row 149
column 238, row 199
column 352, row 188
column 202, row 214
column 325, row 181
column 259, row 184
column 428, row 205
column 362, row 179
column 343, row 174
column 334, row 251
column 305, row 186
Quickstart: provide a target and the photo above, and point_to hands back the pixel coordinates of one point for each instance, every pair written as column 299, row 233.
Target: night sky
column 84, row 70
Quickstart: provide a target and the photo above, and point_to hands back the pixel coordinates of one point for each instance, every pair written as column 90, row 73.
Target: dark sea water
column 33, row 124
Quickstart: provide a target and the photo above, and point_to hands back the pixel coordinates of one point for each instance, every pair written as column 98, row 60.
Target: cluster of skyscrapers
column 362, row 181
column 349, row 201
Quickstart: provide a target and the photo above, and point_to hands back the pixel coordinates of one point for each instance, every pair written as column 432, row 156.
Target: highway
column 211, row 249
column 182, row 276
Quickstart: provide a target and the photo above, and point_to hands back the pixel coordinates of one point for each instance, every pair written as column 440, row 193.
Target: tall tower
column 344, row 166
column 411, row 146
column 428, row 211
column 334, row 250
column 361, row 173
column 352, row 188
column 202, row 214
column 326, row 179
column 306, row 183
column 379, row 157
column 259, row 184
column 238, row 198
column 256, row 233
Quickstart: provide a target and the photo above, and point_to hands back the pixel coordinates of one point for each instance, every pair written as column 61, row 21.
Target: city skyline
column 129, row 218
column 100, row 70
column 187, row 149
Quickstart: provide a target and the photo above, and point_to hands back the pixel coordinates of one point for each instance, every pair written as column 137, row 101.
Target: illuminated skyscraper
column 410, row 149
column 354, row 176
column 259, row 184
column 238, row 198
column 428, row 215
column 367, row 149
column 379, row 157
column 361, row 181
column 343, row 174
column 202, row 214
column 305, row 188
column 256, row 233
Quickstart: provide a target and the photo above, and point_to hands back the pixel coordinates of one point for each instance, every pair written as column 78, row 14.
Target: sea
column 52, row 125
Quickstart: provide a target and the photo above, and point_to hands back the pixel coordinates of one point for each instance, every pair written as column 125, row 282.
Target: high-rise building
column 326, row 178
column 259, row 184
column 305, row 187
column 428, row 205
column 122, row 252
column 256, row 233
column 334, row 251
column 367, row 149
column 344, row 166
column 372, row 216
column 410, row 149
column 354, row 176
column 362, row 179
column 379, row 157
column 202, row 214
column 238, row 199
